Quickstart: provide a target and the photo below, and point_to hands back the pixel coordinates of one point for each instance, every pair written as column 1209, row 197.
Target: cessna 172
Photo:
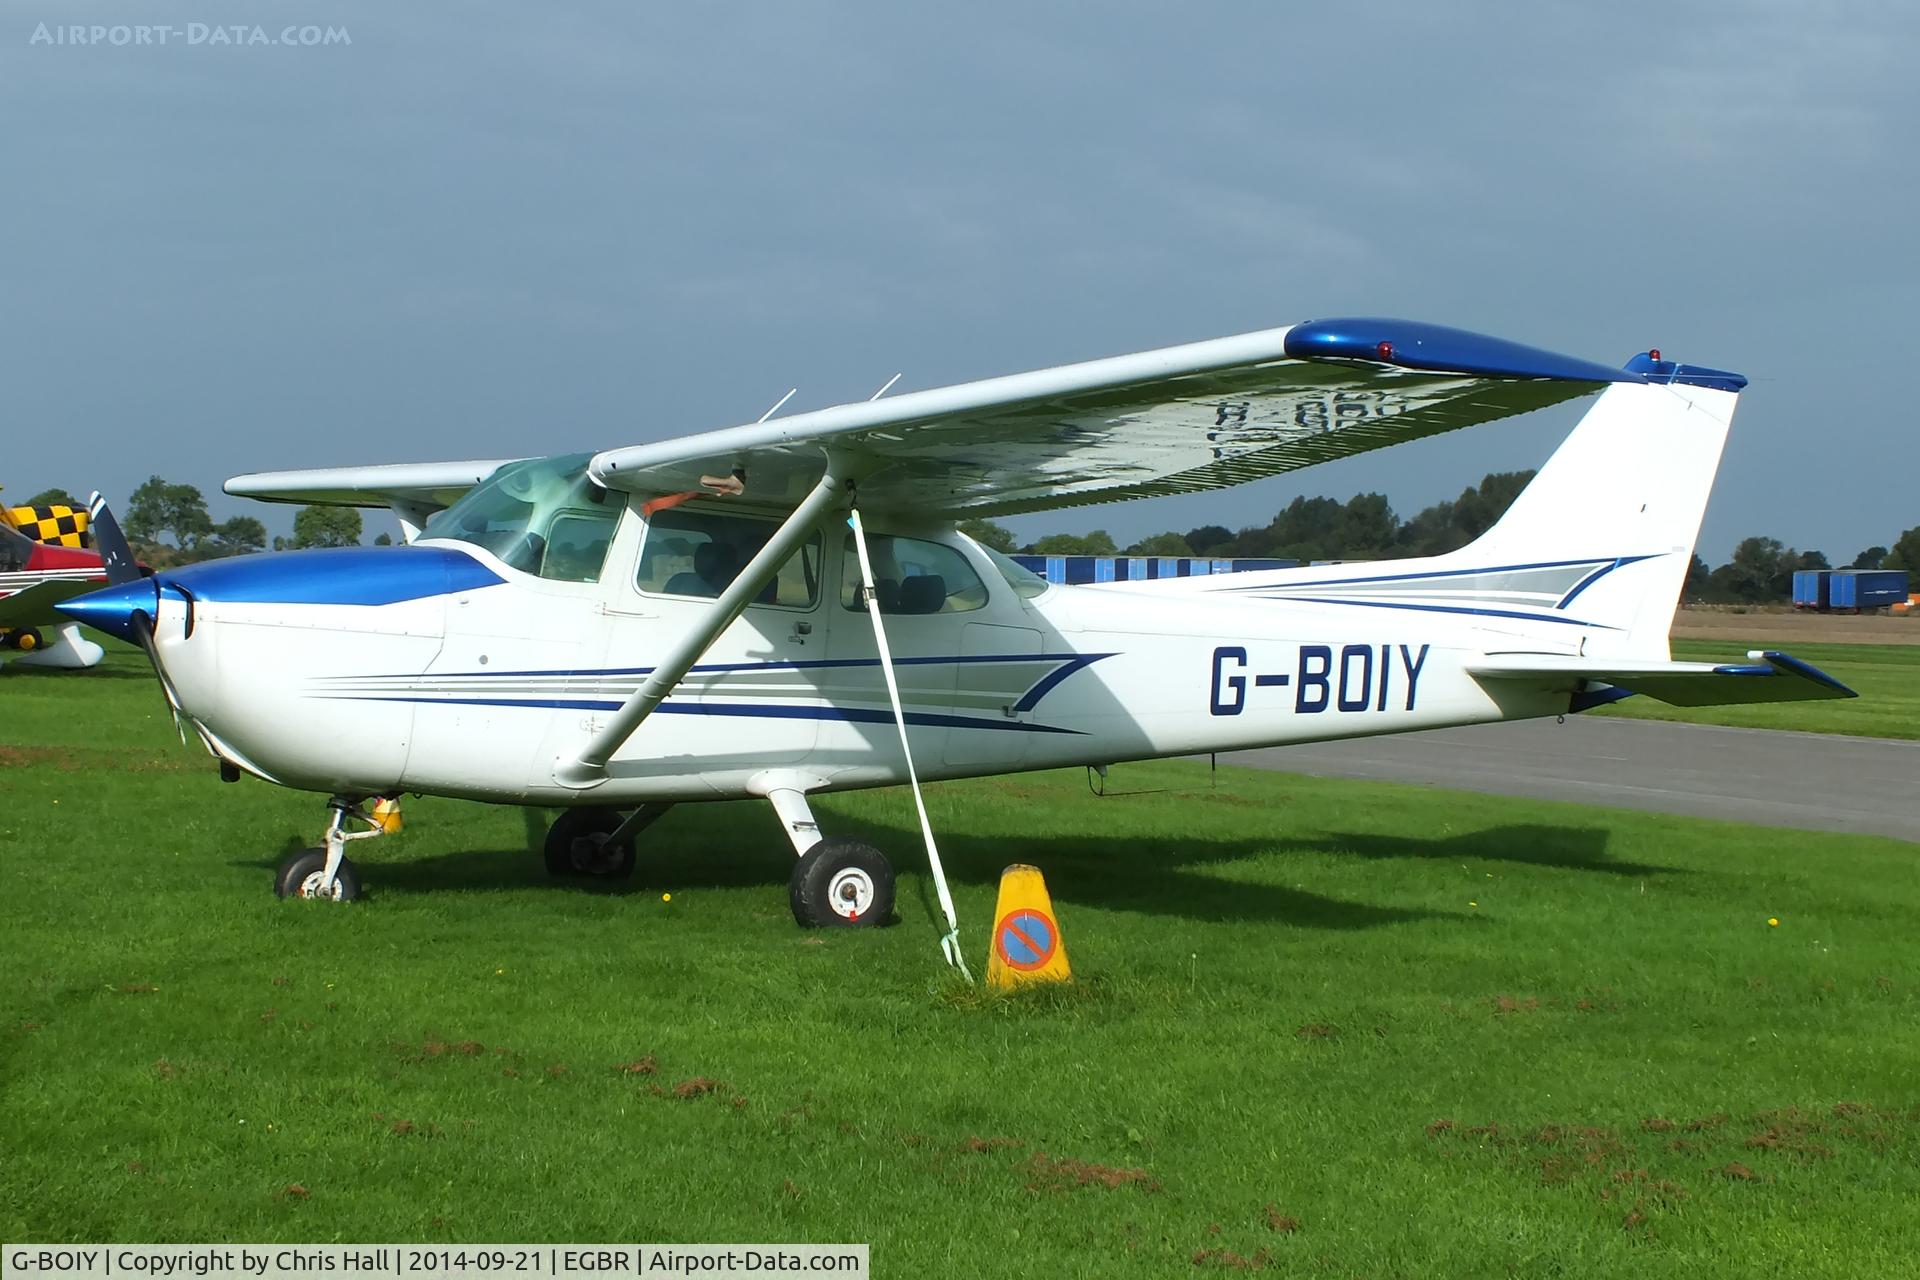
column 785, row 608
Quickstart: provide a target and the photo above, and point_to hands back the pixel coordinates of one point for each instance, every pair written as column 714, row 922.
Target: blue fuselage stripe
column 858, row 715
column 1448, row 608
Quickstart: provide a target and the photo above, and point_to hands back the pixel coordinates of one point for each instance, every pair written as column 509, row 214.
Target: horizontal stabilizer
column 1770, row 677
column 430, row 484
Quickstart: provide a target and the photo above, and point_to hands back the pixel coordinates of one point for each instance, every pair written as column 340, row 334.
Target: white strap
column 949, row 945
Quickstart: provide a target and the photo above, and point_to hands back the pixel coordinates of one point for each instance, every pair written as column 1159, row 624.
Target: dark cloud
column 493, row 229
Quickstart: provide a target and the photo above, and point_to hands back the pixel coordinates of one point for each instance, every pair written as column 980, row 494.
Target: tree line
column 1365, row 527
column 169, row 524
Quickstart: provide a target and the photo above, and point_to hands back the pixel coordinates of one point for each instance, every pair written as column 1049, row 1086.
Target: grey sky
column 496, row 229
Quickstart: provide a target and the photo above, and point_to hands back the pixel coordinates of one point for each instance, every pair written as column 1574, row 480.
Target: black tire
column 299, row 876
column 26, row 641
column 577, row 849
column 842, row 884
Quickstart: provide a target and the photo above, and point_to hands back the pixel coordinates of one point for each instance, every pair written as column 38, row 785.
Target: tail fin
column 1626, row 492
column 1594, row 551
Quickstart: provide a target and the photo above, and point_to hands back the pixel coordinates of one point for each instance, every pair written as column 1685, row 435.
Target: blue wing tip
column 1789, row 665
column 1435, row 348
column 1650, row 366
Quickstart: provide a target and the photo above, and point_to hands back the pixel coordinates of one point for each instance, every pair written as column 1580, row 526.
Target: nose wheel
column 326, row 873
column 303, row 875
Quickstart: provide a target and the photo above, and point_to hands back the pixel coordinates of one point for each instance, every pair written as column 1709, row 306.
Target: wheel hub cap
column 850, row 893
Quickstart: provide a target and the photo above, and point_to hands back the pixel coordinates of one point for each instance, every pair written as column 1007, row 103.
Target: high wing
column 1773, row 677
column 1182, row 419
column 432, row 485
column 1177, row 420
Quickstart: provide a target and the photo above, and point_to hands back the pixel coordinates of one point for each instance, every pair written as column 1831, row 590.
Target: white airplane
column 783, row 609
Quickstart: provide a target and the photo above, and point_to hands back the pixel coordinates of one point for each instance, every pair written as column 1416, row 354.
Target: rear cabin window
column 690, row 552
column 912, row 576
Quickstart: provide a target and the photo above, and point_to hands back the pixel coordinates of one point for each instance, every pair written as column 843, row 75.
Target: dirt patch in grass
column 77, row 760
column 1318, row 1031
column 698, row 1087
column 428, row 1050
column 645, row 1066
column 1226, row 1259
column 1794, row 1132
column 1515, row 1004
column 1786, row 627
column 1285, row 1224
column 1064, row 1173
column 980, row 1146
column 1611, row 1165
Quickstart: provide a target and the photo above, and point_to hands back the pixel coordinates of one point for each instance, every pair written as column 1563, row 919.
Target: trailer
column 1861, row 590
column 1811, row 589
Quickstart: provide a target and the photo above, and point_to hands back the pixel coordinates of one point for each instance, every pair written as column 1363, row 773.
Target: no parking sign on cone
column 1027, row 946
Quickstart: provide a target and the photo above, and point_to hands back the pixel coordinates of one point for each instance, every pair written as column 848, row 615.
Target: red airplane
column 34, row 577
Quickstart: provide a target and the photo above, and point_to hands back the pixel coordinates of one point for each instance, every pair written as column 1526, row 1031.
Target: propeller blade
column 121, row 566
column 119, row 612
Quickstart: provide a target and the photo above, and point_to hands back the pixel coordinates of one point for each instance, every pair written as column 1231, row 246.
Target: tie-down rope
column 949, row 945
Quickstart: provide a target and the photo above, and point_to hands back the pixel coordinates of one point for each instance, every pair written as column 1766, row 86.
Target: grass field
column 1320, row 1027
column 1886, row 676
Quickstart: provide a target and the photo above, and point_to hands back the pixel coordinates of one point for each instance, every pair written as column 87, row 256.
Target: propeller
column 124, row 609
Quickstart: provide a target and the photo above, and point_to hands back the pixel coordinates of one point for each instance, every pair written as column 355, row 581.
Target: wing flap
column 1770, row 677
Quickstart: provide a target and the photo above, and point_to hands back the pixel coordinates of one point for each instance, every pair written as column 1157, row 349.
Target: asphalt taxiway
column 1812, row 781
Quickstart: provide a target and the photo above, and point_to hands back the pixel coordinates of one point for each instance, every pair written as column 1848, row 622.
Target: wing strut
column 589, row 768
column 949, row 945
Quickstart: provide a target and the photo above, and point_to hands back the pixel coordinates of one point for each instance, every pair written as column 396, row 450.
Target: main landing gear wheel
column 841, row 883
column 25, row 641
column 577, row 846
column 300, row 875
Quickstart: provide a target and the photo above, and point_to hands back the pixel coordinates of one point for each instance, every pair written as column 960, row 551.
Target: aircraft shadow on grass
column 1534, row 844
column 1154, row 875
column 105, row 671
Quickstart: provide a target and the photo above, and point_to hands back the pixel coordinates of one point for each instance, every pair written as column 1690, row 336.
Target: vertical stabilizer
column 1594, row 552
column 1630, row 487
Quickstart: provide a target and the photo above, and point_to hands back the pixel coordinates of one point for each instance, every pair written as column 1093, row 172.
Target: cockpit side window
column 15, row 550
column 912, row 576
column 690, row 551
column 543, row 516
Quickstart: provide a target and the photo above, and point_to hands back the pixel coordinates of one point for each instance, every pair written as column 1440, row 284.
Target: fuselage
column 477, row 666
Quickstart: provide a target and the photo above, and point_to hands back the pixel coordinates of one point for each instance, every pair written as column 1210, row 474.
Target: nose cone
column 112, row 610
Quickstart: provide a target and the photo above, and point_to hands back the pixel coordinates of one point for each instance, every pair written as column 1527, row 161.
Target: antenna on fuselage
column 776, row 405
column 882, row 391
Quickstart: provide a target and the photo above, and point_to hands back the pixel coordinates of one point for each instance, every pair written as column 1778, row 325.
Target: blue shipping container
column 1084, row 569
column 1811, row 588
column 1861, row 589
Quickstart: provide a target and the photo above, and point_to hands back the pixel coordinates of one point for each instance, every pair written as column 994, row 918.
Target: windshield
column 542, row 516
column 1025, row 582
